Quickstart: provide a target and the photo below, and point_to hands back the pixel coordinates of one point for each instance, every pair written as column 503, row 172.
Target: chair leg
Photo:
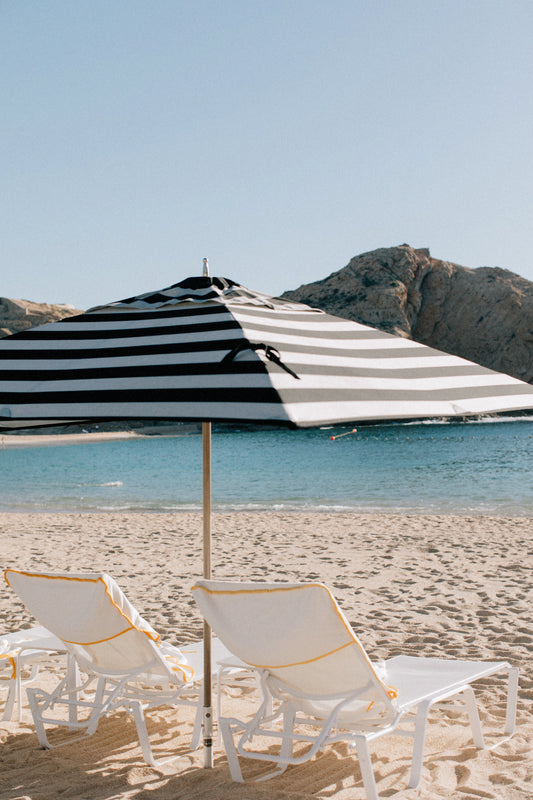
column 418, row 744
column 231, row 751
column 363, row 754
column 12, row 693
column 73, row 679
column 285, row 753
column 512, row 699
column 473, row 716
column 510, row 711
column 97, row 707
column 135, row 707
column 142, row 732
column 35, row 708
column 18, row 688
column 287, row 741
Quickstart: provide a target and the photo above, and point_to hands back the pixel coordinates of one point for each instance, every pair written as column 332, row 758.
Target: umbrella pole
column 208, row 709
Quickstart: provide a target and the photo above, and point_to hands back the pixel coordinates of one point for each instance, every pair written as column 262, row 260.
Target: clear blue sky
column 277, row 137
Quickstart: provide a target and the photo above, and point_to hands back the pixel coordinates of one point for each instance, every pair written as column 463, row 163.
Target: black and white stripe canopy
column 208, row 349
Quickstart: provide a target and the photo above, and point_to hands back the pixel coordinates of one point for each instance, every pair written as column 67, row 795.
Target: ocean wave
column 97, row 485
column 482, row 420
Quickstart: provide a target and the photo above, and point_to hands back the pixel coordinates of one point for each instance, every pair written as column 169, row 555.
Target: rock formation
column 18, row 315
column 483, row 314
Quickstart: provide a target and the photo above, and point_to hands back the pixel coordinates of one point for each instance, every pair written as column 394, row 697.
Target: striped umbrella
column 209, row 350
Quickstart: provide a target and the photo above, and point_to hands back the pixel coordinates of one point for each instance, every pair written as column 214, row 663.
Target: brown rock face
column 484, row 314
column 18, row 315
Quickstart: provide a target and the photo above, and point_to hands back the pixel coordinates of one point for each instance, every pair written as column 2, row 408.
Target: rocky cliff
column 18, row 315
column 483, row 314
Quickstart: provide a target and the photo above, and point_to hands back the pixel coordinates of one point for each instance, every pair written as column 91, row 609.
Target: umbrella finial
column 206, row 267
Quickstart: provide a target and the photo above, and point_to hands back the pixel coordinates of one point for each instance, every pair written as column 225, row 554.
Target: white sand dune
column 430, row 585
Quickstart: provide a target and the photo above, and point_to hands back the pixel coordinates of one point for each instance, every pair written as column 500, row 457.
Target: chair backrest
column 298, row 633
column 91, row 614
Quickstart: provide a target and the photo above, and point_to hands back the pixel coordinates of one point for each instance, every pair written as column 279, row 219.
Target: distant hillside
column 18, row 315
column 483, row 314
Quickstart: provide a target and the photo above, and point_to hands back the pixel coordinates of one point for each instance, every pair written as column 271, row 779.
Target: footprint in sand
column 462, row 773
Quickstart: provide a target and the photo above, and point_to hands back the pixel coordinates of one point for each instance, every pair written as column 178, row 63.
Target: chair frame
column 108, row 693
column 27, row 648
column 94, row 687
column 393, row 697
column 333, row 729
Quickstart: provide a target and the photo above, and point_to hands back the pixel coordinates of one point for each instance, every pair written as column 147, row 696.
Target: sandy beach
column 431, row 585
column 53, row 440
column 91, row 436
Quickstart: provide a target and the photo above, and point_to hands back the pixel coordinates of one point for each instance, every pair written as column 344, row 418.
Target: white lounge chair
column 317, row 673
column 124, row 662
column 21, row 651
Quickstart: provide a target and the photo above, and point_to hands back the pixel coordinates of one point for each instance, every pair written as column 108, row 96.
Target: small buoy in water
column 338, row 436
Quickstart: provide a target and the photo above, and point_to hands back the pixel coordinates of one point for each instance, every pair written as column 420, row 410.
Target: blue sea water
column 475, row 467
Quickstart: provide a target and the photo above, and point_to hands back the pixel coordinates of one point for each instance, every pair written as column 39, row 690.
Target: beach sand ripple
column 432, row 585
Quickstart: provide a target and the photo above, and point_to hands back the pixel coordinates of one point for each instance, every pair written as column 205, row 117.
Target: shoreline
column 43, row 440
column 294, row 512
column 10, row 440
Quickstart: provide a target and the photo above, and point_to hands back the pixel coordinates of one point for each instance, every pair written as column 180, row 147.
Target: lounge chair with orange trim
column 122, row 659
column 22, row 653
column 318, row 675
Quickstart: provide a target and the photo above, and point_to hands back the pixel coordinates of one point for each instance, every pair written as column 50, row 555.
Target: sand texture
column 430, row 585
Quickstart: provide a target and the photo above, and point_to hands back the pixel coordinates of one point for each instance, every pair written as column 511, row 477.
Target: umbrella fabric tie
column 270, row 352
